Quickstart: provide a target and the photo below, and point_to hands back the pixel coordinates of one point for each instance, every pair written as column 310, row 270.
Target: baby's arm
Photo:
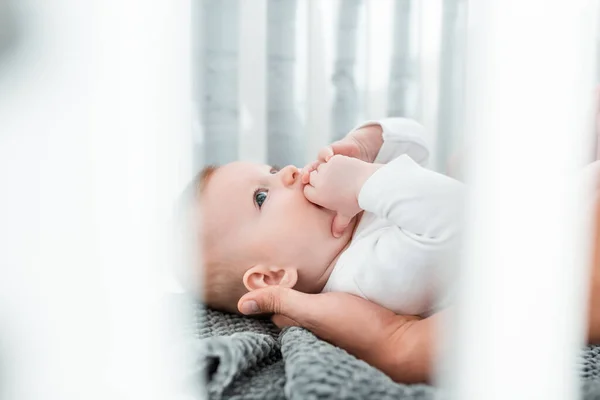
column 424, row 205
column 377, row 141
column 401, row 136
column 410, row 261
column 424, row 208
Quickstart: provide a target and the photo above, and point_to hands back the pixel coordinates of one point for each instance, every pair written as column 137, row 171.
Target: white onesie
column 401, row 251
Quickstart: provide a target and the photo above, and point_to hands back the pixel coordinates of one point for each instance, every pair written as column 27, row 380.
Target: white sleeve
column 401, row 136
column 410, row 257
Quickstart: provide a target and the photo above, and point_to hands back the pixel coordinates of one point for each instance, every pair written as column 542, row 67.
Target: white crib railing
column 524, row 277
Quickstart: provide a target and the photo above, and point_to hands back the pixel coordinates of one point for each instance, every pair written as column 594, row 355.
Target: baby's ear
column 261, row 276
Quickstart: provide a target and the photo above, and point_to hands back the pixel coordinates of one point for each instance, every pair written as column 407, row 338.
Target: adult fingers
column 292, row 308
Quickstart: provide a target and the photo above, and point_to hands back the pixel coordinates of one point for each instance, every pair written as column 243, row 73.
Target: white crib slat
column 346, row 102
column 318, row 104
column 429, row 47
column 198, row 53
column 523, row 289
column 252, row 80
column 404, row 83
column 451, row 78
column 595, row 154
column 83, row 231
column 285, row 141
column 378, row 56
column 220, row 65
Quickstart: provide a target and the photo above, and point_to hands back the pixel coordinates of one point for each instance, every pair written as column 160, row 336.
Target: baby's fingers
column 339, row 225
column 307, row 170
column 311, row 193
column 345, row 148
column 325, row 154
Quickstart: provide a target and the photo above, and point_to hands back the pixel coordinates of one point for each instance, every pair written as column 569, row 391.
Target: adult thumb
column 275, row 300
column 339, row 224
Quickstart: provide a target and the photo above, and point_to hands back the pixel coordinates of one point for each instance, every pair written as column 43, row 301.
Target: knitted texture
column 244, row 358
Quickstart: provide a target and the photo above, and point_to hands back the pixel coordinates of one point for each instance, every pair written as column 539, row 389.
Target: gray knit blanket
column 243, row 358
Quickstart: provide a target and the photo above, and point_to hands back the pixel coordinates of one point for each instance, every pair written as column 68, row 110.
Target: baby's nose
column 289, row 175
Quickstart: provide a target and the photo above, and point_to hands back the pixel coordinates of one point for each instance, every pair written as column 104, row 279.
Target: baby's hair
column 187, row 237
column 204, row 176
column 217, row 275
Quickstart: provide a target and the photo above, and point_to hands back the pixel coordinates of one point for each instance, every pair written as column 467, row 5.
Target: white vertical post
column 378, row 54
column 253, row 80
column 94, row 132
column 451, row 81
column 404, row 83
column 429, row 48
column 285, row 143
column 198, row 56
column 220, row 65
column 345, row 108
column 595, row 154
column 318, row 105
column 522, row 291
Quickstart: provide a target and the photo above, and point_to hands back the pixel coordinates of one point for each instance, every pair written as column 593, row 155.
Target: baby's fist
column 336, row 184
column 348, row 146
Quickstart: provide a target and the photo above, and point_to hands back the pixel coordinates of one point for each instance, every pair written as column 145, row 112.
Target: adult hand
column 400, row 346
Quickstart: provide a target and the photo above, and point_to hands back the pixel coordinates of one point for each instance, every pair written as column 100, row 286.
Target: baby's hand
column 363, row 143
column 336, row 184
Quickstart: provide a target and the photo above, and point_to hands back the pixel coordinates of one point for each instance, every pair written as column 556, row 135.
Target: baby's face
column 258, row 215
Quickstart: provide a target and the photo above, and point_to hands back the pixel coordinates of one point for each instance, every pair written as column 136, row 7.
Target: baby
column 366, row 218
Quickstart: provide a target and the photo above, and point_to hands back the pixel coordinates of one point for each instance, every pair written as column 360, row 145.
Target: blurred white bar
column 286, row 81
column 429, row 51
column 220, row 66
column 451, row 82
column 523, row 288
column 94, row 145
column 596, row 122
column 253, row 80
column 378, row 56
column 198, row 55
column 345, row 16
column 404, row 82
column 319, row 90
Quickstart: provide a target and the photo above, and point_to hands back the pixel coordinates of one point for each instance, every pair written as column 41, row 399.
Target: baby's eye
column 274, row 170
column 260, row 196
